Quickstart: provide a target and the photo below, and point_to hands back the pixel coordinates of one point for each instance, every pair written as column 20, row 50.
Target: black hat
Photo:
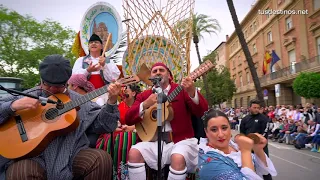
column 55, row 69
column 95, row 37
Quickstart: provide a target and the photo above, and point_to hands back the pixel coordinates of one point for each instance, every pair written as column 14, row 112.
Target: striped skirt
column 122, row 142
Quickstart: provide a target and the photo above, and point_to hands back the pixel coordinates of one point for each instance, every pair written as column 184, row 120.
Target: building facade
column 271, row 25
column 221, row 55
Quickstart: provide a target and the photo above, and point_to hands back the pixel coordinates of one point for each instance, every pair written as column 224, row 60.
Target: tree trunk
column 246, row 51
column 206, row 88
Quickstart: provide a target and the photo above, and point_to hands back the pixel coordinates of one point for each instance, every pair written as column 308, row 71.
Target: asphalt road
column 294, row 164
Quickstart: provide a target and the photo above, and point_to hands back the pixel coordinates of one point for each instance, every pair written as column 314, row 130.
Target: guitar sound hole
column 154, row 114
column 51, row 113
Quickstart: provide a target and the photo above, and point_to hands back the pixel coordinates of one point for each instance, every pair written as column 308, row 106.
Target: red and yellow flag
column 77, row 49
column 267, row 60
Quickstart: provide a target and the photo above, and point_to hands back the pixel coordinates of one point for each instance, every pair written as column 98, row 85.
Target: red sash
column 96, row 80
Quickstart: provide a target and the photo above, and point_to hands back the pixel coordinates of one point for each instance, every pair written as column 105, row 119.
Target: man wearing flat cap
column 67, row 157
column 179, row 145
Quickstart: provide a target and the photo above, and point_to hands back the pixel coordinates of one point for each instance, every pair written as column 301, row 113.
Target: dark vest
column 85, row 65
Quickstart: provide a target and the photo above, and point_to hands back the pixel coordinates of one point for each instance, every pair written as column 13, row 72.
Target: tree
column 203, row 24
column 246, row 51
column 200, row 24
column 307, row 85
column 221, row 87
column 24, row 43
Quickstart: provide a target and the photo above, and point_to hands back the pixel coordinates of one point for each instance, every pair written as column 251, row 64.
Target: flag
column 267, row 60
column 275, row 58
column 77, row 49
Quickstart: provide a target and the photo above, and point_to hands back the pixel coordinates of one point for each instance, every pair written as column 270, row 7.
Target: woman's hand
column 262, row 143
column 258, row 148
column 127, row 128
column 244, row 143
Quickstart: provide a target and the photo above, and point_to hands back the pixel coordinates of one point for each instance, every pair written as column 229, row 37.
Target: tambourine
column 254, row 137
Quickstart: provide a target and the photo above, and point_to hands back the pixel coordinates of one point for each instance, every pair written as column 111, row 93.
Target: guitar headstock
column 201, row 70
column 129, row 80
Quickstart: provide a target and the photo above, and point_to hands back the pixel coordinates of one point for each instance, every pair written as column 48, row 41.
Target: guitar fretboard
column 83, row 99
column 174, row 93
column 194, row 75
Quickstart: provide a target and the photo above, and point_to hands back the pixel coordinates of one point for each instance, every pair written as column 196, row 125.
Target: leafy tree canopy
column 24, row 43
column 221, row 87
column 307, row 85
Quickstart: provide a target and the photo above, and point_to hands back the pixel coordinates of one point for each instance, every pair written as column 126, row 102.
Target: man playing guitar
column 67, row 156
column 179, row 145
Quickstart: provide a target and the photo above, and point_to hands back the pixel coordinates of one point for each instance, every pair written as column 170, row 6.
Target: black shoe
column 297, row 146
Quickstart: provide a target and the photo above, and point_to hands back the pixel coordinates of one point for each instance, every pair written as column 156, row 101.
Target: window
column 251, row 28
column 217, row 56
column 8, row 85
column 316, row 4
column 254, row 26
column 234, row 63
column 273, row 69
column 267, row 14
column 248, row 77
column 318, row 45
column 269, row 36
column 254, row 48
column 245, row 34
column 288, row 23
column 239, row 61
column 241, row 82
column 292, row 60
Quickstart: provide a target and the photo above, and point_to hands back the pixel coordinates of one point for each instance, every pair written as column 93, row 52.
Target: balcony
column 290, row 72
column 245, row 88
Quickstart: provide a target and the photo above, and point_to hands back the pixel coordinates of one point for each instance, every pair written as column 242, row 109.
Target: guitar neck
column 174, row 93
column 83, row 99
column 203, row 68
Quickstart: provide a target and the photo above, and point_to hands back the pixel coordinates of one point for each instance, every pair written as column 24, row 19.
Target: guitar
column 29, row 132
column 147, row 128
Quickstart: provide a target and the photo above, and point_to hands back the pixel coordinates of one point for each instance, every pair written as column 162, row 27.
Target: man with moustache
column 181, row 150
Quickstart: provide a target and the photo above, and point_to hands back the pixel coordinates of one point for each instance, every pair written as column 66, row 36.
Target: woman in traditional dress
column 222, row 158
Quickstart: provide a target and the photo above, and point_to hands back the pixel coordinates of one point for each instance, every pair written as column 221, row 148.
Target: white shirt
column 260, row 167
column 110, row 70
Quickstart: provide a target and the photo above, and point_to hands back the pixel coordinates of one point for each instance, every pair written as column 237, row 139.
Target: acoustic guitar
column 29, row 132
column 147, row 128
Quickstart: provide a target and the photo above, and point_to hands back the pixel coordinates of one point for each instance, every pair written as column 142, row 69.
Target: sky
column 70, row 13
